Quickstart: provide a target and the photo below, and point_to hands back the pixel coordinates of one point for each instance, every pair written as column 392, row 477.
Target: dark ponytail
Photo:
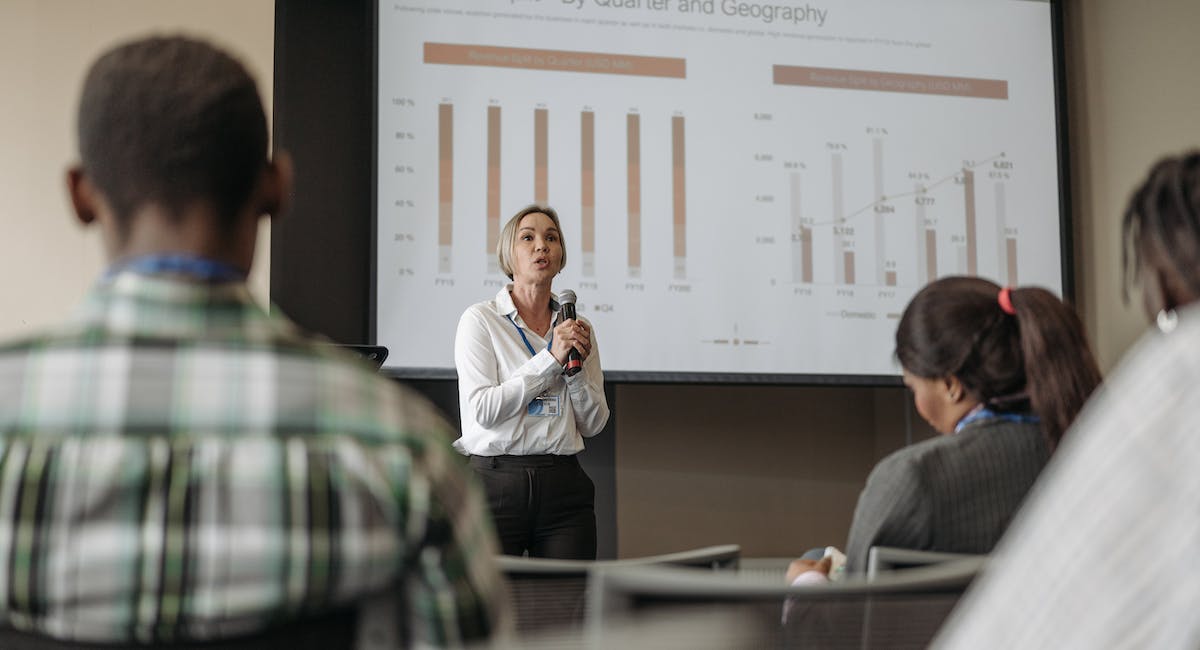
column 1060, row 371
column 1036, row 356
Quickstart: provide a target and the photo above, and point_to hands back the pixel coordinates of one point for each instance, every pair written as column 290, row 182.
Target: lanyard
column 529, row 347
column 197, row 268
column 980, row 413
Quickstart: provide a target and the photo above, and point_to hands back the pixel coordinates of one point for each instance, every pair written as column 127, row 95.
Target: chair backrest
column 899, row 610
column 549, row 594
column 545, row 594
column 882, row 559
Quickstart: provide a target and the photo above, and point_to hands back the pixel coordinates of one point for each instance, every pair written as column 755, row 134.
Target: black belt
column 532, row 460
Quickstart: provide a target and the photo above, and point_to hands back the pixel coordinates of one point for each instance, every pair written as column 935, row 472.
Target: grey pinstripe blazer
column 953, row 493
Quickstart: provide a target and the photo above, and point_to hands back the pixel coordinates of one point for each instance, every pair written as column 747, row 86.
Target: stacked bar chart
column 1007, row 255
column 972, row 248
column 633, row 168
column 879, row 209
column 679, row 195
column 493, row 187
column 540, row 176
column 587, row 191
column 445, row 186
column 801, row 234
column 926, row 242
column 916, row 255
column 843, row 260
column 541, row 156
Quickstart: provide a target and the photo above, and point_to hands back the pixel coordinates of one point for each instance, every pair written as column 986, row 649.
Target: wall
column 776, row 469
column 1134, row 97
column 47, row 260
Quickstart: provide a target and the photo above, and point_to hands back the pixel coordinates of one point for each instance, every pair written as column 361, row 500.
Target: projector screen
column 749, row 190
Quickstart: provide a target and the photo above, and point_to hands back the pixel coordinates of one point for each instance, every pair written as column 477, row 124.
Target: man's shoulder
column 354, row 398
column 285, row 385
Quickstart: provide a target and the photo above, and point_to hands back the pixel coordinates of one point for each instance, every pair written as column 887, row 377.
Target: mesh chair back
column 902, row 610
column 551, row 594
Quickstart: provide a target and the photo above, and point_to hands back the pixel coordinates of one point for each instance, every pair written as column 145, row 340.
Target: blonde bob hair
column 508, row 236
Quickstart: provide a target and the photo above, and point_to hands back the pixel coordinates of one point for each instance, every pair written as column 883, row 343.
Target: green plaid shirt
column 177, row 464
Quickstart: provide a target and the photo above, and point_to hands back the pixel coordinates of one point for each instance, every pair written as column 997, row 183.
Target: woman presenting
column 523, row 418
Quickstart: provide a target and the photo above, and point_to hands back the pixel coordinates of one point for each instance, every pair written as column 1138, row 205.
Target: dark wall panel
column 324, row 83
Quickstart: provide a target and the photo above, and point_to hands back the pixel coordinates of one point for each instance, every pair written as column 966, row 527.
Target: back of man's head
column 174, row 122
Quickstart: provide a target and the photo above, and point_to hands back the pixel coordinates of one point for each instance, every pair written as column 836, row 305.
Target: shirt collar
column 504, row 301
column 506, row 306
column 133, row 304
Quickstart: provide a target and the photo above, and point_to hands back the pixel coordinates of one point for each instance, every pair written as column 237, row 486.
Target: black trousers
column 541, row 504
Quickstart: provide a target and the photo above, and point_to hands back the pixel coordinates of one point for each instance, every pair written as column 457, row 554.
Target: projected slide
column 745, row 187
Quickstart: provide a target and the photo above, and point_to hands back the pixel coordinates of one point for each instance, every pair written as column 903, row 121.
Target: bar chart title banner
column 745, row 188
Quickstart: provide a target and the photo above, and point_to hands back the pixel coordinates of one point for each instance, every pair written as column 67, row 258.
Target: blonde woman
column 523, row 418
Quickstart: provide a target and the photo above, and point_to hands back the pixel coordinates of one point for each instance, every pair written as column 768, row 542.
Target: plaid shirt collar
column 134, row 304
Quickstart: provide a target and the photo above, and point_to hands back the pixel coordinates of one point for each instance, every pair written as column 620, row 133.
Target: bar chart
column 915, row 257
column 540, row 175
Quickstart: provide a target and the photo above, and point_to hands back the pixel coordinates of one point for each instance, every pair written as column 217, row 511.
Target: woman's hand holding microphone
column 571, row 334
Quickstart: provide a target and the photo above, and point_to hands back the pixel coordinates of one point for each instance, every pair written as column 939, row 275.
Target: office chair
column 898, row 610
column 548, row 593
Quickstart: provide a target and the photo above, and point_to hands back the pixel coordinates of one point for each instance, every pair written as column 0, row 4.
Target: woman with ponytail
column 1016, row 355
column 1001, row 373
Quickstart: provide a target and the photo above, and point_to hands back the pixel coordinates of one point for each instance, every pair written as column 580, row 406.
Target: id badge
column 543, row 406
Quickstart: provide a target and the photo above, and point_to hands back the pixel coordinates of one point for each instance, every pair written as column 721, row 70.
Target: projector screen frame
column 365, row 323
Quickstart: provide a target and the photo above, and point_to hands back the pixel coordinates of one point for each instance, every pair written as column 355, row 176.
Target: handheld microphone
column 566, row 301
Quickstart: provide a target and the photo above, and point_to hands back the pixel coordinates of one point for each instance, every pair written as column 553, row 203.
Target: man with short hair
column 175, row 462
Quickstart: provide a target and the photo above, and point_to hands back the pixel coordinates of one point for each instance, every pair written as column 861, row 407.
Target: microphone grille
column 566, row 297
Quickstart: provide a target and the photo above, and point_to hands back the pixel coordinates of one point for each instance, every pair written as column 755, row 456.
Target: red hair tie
column 1005, row 300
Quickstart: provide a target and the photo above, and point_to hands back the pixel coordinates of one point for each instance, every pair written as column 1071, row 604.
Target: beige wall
column 47, row 260
column 775, row 469
column 1134, row 97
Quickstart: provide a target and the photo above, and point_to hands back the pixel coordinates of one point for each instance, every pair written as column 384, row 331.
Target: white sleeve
column 493, row 399
column 586, row 390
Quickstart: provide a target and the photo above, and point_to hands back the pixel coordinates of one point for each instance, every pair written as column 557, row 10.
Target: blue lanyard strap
column 191, row 266
column 520, row 331
column 981, row 413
